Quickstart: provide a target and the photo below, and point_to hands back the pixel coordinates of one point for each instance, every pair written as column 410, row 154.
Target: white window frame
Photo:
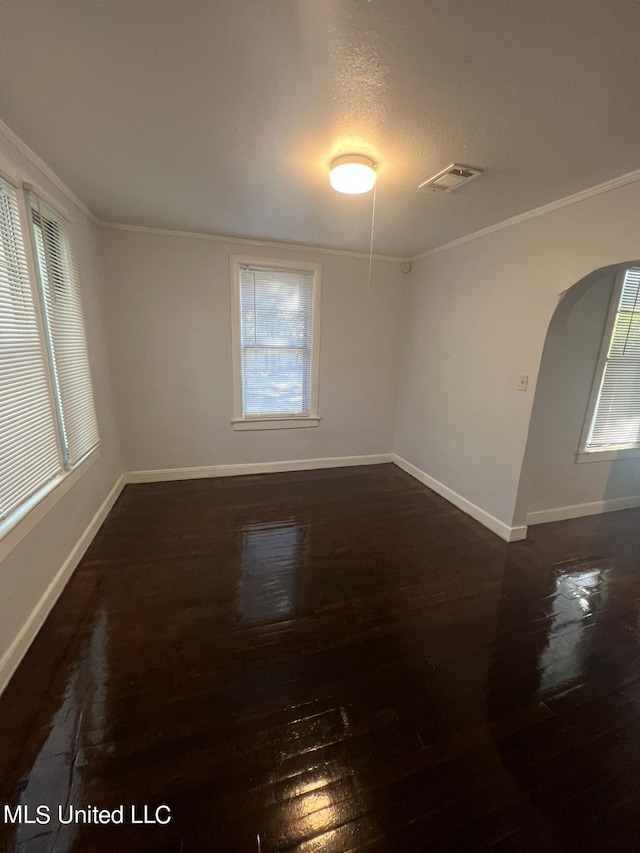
column 239, row 420
column 61, row 224
column 24, row 518
column 596, row 454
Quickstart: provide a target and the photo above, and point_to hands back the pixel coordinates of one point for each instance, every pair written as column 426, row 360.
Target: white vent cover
column 451, row 178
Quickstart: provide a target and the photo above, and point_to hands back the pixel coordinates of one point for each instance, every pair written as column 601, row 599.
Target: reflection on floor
column 331, row 661
column 271, row 555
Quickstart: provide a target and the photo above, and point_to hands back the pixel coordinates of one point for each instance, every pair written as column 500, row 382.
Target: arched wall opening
column 553, row 485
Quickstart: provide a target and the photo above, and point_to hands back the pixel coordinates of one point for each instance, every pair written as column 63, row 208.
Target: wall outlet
column 522, row 383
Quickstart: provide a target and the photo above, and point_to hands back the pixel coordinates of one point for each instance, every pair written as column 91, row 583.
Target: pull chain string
column 373, row 223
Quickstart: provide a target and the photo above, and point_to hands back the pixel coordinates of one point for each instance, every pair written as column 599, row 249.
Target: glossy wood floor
column 331, row 661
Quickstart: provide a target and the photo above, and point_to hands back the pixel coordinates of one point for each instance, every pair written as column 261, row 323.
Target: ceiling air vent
column 451, row 178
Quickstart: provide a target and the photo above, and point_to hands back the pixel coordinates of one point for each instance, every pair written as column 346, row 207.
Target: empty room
column 319, row 426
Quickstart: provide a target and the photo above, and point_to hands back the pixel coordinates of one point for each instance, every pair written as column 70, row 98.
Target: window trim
column 63, row 225
column 22, row 520
column 19, row 523
column 604, row 454
column 45, row 334
column 239, row 421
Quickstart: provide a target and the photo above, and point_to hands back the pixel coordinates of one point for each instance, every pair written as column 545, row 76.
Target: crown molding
column 13, row 139
column 47, row 172
column 247, row 241
column 607, row 186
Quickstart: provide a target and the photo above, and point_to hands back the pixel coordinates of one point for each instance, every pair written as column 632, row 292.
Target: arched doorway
column 553, row 485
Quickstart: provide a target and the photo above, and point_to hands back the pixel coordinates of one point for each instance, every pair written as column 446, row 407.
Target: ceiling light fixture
column 353, row 174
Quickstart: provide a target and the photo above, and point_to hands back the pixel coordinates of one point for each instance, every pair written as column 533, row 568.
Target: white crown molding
column 607, row 186
column 248, row 241
column 13, row 139
column 41, row 166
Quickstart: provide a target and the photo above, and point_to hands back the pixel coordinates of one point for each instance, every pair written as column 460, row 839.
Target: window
column 612, row 428
column 47, row 416
column 276, row 309
column 64, row 332
column 29, row 454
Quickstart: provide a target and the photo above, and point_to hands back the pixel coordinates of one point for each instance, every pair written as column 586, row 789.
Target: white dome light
column 352, row 174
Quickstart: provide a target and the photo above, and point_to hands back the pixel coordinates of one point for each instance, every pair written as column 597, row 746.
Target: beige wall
column 170, row 335
column 27, row 571
column 476, row 318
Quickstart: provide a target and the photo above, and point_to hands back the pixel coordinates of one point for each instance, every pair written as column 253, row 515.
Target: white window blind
column 616, row 421
column 276, row 317
column 29, row 454
column 64, row 327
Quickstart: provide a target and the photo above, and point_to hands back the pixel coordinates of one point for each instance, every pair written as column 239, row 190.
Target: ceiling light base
column 353, row 174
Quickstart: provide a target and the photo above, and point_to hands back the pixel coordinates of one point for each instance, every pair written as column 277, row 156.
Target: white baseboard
column 166, row 474
column 18, row 648
column 505, row 531
column 563, row 513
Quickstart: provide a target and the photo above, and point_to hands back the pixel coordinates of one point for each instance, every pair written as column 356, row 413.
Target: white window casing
column 48, row 430
column 275, row 307
column 612, row 425
column 29, row 450
column 64, row 331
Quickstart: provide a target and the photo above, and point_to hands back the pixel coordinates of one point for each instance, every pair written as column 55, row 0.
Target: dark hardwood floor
column 330, row 661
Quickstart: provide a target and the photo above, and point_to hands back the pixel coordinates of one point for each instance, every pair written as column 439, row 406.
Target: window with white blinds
column 47, row 415
column 64, row 332
column 615, row 421
column 29, row 450
column 277, row 315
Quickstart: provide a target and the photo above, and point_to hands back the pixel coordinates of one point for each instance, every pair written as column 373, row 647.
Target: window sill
column 606, row 455
column 14, row 528
column 275, row 423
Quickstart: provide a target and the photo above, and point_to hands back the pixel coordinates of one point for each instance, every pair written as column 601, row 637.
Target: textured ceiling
column 222, row 117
